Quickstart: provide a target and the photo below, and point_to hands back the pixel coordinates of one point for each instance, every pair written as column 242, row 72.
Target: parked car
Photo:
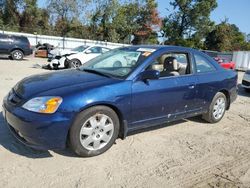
column 246, row 81
column 74, row 60
column 121, row 91
column 15, row 46
column 225, row 63
column 58, row 53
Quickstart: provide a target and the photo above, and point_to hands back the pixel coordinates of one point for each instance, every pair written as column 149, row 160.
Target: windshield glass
column 80, row 48
column 116, row 63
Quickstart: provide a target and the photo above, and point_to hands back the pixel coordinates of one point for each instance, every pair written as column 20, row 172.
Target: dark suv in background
column 14, row 46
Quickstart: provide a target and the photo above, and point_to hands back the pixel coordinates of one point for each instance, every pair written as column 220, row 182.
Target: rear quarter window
column 202, row 64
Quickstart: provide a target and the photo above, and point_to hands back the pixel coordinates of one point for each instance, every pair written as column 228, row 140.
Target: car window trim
column 196, row 72
column 179, row 76
column 190, row 61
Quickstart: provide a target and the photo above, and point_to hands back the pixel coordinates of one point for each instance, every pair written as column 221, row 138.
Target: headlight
column 47, row 105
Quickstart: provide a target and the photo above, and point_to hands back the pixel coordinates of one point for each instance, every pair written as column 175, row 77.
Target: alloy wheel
column 17, row 55
column 219, row 108
column 75, row 64
column 96, row 132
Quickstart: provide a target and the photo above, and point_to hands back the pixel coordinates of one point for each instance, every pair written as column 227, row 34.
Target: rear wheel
column 217, row 108
column 94, row 131
column 74, row 63
column 17, row 55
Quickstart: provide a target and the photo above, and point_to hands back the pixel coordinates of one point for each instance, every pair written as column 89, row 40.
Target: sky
column 237, row 12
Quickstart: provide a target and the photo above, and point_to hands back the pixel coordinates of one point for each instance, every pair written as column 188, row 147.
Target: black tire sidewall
column 82, row 117
column 13, row 52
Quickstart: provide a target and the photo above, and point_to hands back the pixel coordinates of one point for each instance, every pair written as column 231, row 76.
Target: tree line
column 125, row 21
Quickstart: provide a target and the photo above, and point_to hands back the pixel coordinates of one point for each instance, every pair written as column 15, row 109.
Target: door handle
column 191, row 86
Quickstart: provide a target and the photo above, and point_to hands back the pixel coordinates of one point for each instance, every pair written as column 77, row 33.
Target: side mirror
column 150, row 75
column 87, row 51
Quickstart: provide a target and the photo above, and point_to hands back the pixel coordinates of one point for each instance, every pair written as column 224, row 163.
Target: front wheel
column 74, row 63
column 217, row 109
column 94, row 131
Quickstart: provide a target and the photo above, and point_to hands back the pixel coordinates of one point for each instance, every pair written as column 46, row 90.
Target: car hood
column 36, row 84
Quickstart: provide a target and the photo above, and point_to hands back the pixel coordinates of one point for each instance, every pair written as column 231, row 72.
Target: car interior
column 171, row 64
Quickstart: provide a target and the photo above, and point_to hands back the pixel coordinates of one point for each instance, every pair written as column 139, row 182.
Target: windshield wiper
column 97, row 72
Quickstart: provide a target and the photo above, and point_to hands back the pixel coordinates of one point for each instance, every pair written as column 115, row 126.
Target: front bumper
column 39, row 131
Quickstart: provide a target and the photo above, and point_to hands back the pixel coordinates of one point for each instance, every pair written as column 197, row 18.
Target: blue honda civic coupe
column 123, row 90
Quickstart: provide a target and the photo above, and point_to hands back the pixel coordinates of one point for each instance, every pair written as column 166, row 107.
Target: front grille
column 14, row 98
column 245, row 83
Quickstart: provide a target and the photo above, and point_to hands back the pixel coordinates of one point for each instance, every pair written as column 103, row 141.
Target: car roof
column 159, row 47
column 101, row 46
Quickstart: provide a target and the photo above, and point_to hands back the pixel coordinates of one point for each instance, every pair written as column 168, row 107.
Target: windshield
column 80, row 48
column 116, row 63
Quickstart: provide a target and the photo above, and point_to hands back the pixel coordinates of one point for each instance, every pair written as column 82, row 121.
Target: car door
column 165, row 99
column 208, row 80
column 5, row 44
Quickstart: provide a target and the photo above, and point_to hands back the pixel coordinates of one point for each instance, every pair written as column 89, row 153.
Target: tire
column 17, row 55
column 99, row 124
column 217, row 109
column 74, row 63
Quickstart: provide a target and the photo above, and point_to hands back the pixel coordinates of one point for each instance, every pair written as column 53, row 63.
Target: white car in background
column 246, row 81
column 58, row 53
column 74, row 60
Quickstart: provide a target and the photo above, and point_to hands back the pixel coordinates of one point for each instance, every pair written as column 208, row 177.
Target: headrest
column 162, row 58
column 171, row 64
column 158, row 67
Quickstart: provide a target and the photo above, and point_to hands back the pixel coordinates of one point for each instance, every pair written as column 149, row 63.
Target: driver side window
column 171, row 64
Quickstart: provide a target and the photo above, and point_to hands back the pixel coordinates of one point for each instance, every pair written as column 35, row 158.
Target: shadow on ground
column 197, row 119
column 242, row 91
column 9, row 142
column 10, row 59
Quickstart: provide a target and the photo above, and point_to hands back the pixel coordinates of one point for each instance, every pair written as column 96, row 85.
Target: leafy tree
column 124, row 21
column 32, row 18
column 77, row 29
column 62, row 12
column 1, row 19
column 10, row 14
column 189, row 22
column 226, row 37
column 148, row 21
column 101, row 20
column 117, row 22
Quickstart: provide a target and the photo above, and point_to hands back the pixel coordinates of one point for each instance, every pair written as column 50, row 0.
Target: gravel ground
column 187, row 153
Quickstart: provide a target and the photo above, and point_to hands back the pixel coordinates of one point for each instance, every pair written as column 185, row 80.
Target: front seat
column 170, row 67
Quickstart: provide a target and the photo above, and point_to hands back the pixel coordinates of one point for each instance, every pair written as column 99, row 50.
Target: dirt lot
column 188, row 153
